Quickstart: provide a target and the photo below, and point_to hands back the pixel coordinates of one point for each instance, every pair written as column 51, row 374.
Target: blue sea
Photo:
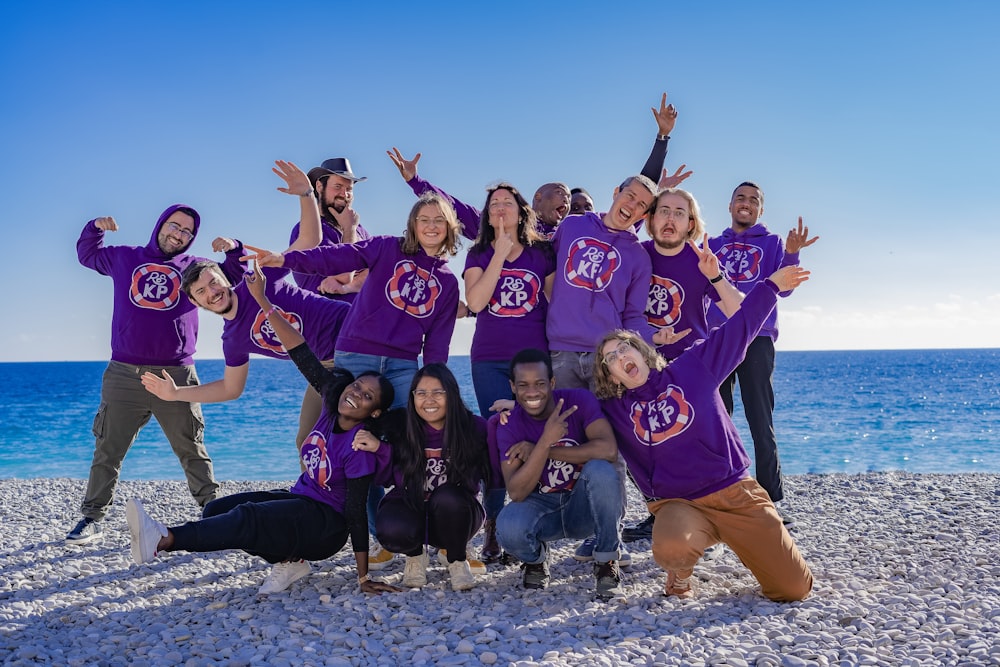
column 911, row 410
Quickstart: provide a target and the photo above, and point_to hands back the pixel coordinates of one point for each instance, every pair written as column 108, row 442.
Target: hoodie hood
column 758, row 230
column 154, row 245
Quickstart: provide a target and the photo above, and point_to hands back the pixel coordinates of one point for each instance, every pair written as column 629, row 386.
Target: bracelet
column 662, row 137
column 363, row 578
column 308, row 193
column 715, row 279
column 268, row 313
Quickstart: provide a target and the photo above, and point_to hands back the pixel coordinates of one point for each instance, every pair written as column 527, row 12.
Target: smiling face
column 176, row 233
column 532, row 388
column 359, row 401
column 746, row 207
column 624, row 363
column 581, row 203
column 212, row 292
column 431, row 228
column 431, row 402
column 671, row 224
column 629, row 207
column 335, row 192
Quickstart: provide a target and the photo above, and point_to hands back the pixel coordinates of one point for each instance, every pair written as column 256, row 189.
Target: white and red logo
column 591, row 264
column 413, row 289
column 560, row 475
column 669, row 414
column 518, row 293
column 663, row 308
column 741, row 262
column 263, row 335
column 315, row 459
column 155, row 286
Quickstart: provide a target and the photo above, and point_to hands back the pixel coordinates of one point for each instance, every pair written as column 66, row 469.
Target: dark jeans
column 275, row 525
column 448, row 520
column 756, row 374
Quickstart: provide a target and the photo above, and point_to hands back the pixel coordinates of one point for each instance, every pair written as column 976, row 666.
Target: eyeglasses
column 435, row 393
column 177, row 229
column 612, row 356
column 677, row 213
column 439, row 221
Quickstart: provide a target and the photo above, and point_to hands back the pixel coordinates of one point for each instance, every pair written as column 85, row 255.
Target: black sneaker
column 88, row 530
column 536, row 575
column 609, row 580
column 508, row 559
column 640, row 531
column 787, row 517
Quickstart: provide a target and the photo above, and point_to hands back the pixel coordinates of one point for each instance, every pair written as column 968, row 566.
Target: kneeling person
column 556, row 449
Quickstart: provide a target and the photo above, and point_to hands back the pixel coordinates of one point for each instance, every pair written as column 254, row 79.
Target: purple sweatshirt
column 407, row 305
column 602, row 282
column 556, row 475
column 154, row 323
column 514, row 319
column 468, row 216
column 329, row 461
column 677, row 295
column 331, row 235
column 318, row 320
column 674, row 432
column 747, row 259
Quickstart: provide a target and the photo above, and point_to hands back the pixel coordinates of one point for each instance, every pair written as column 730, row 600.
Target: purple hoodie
column 673, row 431
column 747, row 259
column 331, row 235
column 153, row 323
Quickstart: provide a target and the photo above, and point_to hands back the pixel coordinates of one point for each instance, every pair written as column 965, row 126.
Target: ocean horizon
column 924, row 411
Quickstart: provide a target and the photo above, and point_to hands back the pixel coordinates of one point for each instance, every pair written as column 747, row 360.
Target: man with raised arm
column 154, row 328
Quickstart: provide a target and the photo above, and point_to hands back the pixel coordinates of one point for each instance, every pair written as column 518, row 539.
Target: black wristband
column 715, row 279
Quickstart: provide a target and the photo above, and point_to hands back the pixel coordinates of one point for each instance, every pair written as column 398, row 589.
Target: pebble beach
column 906, row 567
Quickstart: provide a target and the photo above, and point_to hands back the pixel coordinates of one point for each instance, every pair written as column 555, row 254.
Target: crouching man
column 556, row 452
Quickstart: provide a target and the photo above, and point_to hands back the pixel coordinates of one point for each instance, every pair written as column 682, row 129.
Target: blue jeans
column 573, row 370
column 491, row 380
column 399, row 372
column 593, row 507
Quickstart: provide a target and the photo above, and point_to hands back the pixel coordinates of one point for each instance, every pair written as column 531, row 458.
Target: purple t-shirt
column 407, row 305
column 601, row 283
column 677, row 294
column 514, row 319
column 747, row 259
column 318, row 320
column 437, row 461
column 556, row 475
column 330, row 461
column 331, row 235
column 674, row 432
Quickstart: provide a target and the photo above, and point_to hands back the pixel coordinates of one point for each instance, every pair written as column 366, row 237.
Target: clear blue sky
column 876, row 122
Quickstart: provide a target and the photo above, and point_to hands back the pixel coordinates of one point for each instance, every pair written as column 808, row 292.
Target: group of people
column 601, row 357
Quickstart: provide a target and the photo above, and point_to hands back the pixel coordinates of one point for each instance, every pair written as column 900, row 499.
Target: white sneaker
column 461, row 575
column 714, row 551
column 475, row 566
column 415, row 571
column 379, row 558
column 284, row 575
column 144, row 530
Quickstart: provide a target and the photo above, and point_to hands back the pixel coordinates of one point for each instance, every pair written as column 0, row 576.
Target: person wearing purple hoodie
column 748, row 252
column 154, row 328
column 685, row 454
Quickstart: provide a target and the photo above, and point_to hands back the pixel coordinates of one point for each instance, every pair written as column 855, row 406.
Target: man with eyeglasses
column 154, row 328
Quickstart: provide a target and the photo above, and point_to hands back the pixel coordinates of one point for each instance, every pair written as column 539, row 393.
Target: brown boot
column 491, row 548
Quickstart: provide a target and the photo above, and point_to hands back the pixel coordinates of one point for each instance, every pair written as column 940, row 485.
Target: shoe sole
column 84, row 540
column 288, row 584
column 132, row 509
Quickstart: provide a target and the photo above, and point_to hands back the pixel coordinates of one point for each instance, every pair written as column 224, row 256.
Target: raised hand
column 223, row 244
column 708, row 263
column 106, row 224
column 676, row 179
column 555, row 426
column 665, row 117
column 163, row 387
column 799, row 238
column 297, row 181
column 667, row 336
column 263, row 257
column 256, row 282
column 407, row 168
column 789, row 277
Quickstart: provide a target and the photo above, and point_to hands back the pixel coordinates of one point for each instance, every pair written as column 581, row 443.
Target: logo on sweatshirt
column 263, row 335
column 663, row 308
column 316, row 460
column 155, row 286
column 591, row 264
column 740, row 261
column 517, row 294
column 437, row 470
column 559, row 475
column 413, row 289
column 669, row 414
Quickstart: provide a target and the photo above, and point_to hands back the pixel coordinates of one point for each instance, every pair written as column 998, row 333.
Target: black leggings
column 275, row 525
column 448, row 520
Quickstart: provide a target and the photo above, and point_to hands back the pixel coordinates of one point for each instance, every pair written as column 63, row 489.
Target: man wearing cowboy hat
column 334, row 182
